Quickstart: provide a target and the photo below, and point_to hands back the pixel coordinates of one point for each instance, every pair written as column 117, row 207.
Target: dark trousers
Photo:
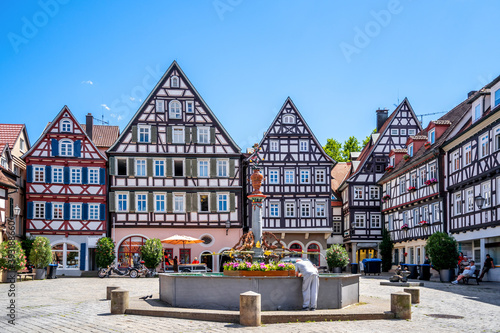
column 484, row 271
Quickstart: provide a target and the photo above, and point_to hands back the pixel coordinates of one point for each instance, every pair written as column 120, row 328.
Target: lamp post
column 17, row 212
column 228, row 225
column 479, row 201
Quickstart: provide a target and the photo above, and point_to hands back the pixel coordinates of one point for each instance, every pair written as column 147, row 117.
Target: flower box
column 412, row 188
column 259, row 273
column 406, row 157
column 423, row 223
column 386, row 197
column 427, row 145
column 404, row 227
column 431, row 181
column 389, row 168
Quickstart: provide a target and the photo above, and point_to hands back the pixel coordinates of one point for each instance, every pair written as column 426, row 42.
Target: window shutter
column 194, row 202
column 170, row 202
column 169, row 134
column 232, row 171
column 29, row 174
column 194, row 134
column 55, row 147
column 102, row 212
column 132, row 201
column 66, row 175
column 154, row 134
column 66, row 211
column 187, row 167
column 213, row 202
column 194, row 167
column 213, row 167
column 48, row 174
column 48, row 211
column 189, row 207
column 83, row 253
column 111, row 201
column 149, row 167
column 131, row 164
column 169, row 167
column 29, row 215
column 85, row 175
column 78, row 148
column 111, row 165
column 134, row 133
column 102, row 176
column 151, row 202
column 232, row 202
column 85, row 211
column 212, row 135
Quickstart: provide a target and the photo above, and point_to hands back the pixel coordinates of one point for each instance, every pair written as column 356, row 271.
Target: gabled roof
column 103, row 135
column 5, row 181
column 339, row 173
column 10, row 132
column 147, row 100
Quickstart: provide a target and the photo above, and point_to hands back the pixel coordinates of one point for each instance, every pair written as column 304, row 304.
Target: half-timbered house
column 472, row 167
column 66, row 192
column 298, row 184
column 340, row 172
column 413, row 194
column 175, row 170
column 360, row 192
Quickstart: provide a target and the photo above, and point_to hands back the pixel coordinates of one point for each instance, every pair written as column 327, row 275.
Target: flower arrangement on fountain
column 431, row 181
column 412, row 188
column 337, row 256
column 255, row 158
column 258, row 266
column 386, row 197
column 423, row 223
column 389, row 168
column 405, row 227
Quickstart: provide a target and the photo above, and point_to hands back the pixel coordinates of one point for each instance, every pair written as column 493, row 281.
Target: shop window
column 129, row 248
column 66, row 255
column 296, row 248
column 314, row 256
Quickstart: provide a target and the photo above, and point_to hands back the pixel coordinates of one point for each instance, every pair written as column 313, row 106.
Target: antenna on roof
column 428, row 114
column 102, row 121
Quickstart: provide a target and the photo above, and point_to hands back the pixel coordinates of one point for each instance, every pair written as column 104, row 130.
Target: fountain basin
column 216, row 291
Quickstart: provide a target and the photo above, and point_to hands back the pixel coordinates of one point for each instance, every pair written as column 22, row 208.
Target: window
column 203, row 203
column 358, row 192
column 390, row 222
column 76, row 211
column 394, row 131
column 470, row 200
column 93, row 211
column 359, row 221
column 296, row 248
column 375, row 221
column 174, row 110
column 66, row 148
column 93, row 176
column 122, row 200
column 57, row 211
column 304, row 145
column 202, row 168
column 484, row 149
column 423, row 176
column 174, row 82
column 405, row 218
column 412, row 132
column 273, row 145
column 304, row 176
column 75, row 175
column 203, row 134
column 178, row 168
column 141, row 204
column 425, row 213
column 402, row 185
column 140, row 167
column 436, row 213
column 336, row 227
column 289, row 209
column 458, row 203
column 289, row 177
column 468, row 154
column 178, row 135
column 410, row 150
column 305, row 209
column 374, row 193
column 432, row 171
column 222, row 166
column 403, row 131
column 497, row 97
column 496, row 134
column 413, row 179
column 393, row 161
column 320, row 176
column 486, row 194
column 39, row 174
column 320, row 209
column 129, row 248
column 21, row 145
column 477, row 112
column 222, row 202
column 39, row 210
column 178, row 203
column 288, row 119
column 274, row 208
column 160, row 105
column 456, row 161
column 66, row 255
column 121, row 164
column 189, row 106
column 159, row 168
column 432, row 136
column 144, row 133
column 65, row 126
column 4, row 163
column 273, row 176
column 160, row 202
column 314, row 256
column 416, row 216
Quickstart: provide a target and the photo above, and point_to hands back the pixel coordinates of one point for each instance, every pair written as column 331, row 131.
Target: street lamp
column 17, row 212
column 228, row 225
column 479, row 201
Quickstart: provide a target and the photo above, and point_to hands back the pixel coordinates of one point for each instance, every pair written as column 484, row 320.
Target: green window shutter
column 169, row 167
column 232, row 171
column 111, row 201
column 134, row 133
column 194, row 167
column 131, row 201
column 213, row 167
column 170, row 202
column 187, row 135
column 151, row 202
column 154, row 134
column 232, row 202
column 194, row 134
column 194, row 202
column 169, row 134
column 131, row 165
column 187, row 167
column 111, row 164
column 213, row 202
column 149, row 167
column 188, row 202
column 212, row 135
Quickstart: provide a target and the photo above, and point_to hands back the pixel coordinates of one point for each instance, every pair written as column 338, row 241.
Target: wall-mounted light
column 228, row 225
column 479, row 201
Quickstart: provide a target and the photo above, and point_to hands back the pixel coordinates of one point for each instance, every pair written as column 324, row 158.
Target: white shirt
column 306, row 268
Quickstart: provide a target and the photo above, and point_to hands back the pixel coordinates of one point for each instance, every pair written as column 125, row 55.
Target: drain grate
column 445, row 316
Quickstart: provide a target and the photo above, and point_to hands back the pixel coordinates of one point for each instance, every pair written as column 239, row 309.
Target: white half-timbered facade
column 298, row 184
column 66, row 192
column 175, row 170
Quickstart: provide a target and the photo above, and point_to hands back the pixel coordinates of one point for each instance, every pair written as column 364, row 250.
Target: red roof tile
column 9, row 133
column 339, row 173
column 6, row 181
column 103, row 135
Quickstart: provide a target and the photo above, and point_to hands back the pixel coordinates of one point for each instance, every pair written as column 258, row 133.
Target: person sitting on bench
column 468, row 271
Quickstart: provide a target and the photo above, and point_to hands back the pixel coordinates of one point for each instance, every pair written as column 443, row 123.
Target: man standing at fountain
column 310, row 283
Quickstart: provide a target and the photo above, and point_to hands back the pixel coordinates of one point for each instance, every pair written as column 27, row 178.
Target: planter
column 446, row 275
column 259, row 273
column 40, row 274
column 337, row 270
column 9, row 276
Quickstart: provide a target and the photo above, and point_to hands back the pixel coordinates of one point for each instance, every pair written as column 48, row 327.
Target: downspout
column 442, row 192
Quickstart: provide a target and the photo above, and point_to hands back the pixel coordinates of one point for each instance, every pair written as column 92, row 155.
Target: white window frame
column 179, row 202
column 175, row 109
column 390, row 222
column 75, row 175
column 174, row 81
column 403, row 131
column 274, row 176
column 39, row 210
column 305, row 209
column 160, row 202
column 432, row 136
column 122, row 201
column 274, row 209
column 359, row 221
column 436, row 213
column 412, row 132
column 457, row 203
column 303, row 145
column 320, row 176
column 469, row 200
column 222, row 198
column 289, row 209
column 66, row 148
column 402, row 185
column 58, row 211
column 75, row 211
column 425, row 213
column 374, row 224
column 203, row 165
column 358, row 192
column 176, row 137
column 394, row 131
column 203, row 134
column 141, row 197
column 433, row 170
column 410, row 150
column 486, row 194
column 289, row 176
column 320, row 209
column 64, row 124
column 274, row 145
column 374, row 192
column 93, row 176
column 160, row 163
column 484, row 145
column 468, row 154
column 189, row 106
column 288, row 119
column 93, row 213
column 143, row 133
column 160, row 105
column 423, row 176
column 140, row 167
column 477, row 112
column 416, row 216
column 456, row 161
column 305, row 176
column 223, row 168
column 38, row 173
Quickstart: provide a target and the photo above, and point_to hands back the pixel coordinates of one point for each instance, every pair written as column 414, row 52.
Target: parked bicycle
column 111, row 269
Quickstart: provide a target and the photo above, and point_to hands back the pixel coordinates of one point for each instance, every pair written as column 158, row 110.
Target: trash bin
column 425, row 272
column 354, row 268
column 51, row 271
column 372, row 266
column 413, row 271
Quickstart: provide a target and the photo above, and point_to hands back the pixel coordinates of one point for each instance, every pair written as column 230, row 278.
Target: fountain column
column 256, row 199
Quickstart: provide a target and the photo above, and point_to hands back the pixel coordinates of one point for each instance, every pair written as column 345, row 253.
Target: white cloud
column 132, row 98
column 106, row 107
column 88, row 82
column 112, row 115
column 119, row 118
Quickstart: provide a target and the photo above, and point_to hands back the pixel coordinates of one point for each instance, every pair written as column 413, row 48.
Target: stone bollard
column 108, row 291
column 250, row 309
column 401, row 305
column 415, row 294
column 119, row 301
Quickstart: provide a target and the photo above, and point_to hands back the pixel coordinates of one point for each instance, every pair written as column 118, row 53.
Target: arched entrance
column 208, row 259
column 295, row 247
column 314, row 257
column 128, row 248
column 222, row 260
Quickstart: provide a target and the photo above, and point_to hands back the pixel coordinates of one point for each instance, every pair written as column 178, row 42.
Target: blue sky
column 338, row 60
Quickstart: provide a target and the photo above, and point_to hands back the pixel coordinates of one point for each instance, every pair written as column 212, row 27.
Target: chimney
column 381, row 118
column 89, row 124
column 472, row 92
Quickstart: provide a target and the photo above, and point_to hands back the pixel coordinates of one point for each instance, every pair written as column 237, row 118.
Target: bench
column 474, row 275
column 25, row 273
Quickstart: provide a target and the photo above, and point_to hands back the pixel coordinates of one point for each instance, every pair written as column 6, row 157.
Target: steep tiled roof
column 103, row 135
column 9, row 133
column 339, row 173
column 6, row 181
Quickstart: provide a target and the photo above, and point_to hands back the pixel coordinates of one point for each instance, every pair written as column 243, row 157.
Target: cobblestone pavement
column 79, row 305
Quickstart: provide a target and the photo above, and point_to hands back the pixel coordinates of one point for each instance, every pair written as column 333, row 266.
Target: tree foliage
column 12, row 256
column 152, row 252
column 368, row 138
column 333, row 148
column 41, row 252
column 350, row 145
column 105, row 252
column 342, row 152
column 386, row 247
column 442, row 250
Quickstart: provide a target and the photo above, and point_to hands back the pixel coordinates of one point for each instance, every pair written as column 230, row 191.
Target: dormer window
column 288, row 119
column 432, row 136
column 174, row 110
column 393, row 161
column 66, row 148
column 477, row 112
column 66, row 126
column 410, row 150
column 4, row 163
column 144, row 133
column 497, row 97
column 174, row 82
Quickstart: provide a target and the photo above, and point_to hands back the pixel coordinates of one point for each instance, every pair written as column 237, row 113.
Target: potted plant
column 423, row 223
column 406, row 157
column 12, row 259
column 152, row 253
column 431, row 181
column 386, row 197
column 405, row 227
column 337, row 258
column 427, row 145
column 389, row 168
column 412, row 188
column 105, row 252
column 41, row 256
column 442, row 250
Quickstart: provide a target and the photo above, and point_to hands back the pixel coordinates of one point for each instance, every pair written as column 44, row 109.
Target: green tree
column 333, row 148
column 442, row 250
column 152, row 253
column 105, row 252
column 41, row 252
column 350, row 145
column 368, row 138
column 386, row 247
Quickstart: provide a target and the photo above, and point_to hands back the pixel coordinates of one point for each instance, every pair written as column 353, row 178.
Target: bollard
column 415, row 294
column 401, row 305
column 119, row 301
column 108, row 291
column 250, row 309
